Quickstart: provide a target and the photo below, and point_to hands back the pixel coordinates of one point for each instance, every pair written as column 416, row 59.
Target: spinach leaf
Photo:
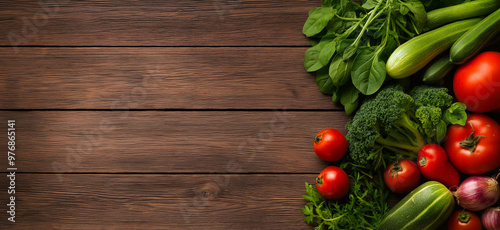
column 368, row 71
column 418, row 10
column 327, row 51
column 456, row 114
column 349, row 98
column 324, row 81
column 340, row 71
column 317, row 21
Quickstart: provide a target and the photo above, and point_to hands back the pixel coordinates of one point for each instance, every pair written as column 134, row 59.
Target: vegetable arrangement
column 410, row 135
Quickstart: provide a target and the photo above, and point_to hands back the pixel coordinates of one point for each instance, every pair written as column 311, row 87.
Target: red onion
column 477, row 193
column 491, row 218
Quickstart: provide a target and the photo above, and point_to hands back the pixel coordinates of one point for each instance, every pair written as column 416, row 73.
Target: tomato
column 474, row 148
column 434, row 165
column 402, row 176
column 330, row 145
column 464, row 220
column 477, row 82
column 332, row 183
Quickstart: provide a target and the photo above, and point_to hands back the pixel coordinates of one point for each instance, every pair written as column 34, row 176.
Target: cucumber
column 414, row 54
column 445, row 15
column 426, row 207
column 472, row 41
column 438, row 68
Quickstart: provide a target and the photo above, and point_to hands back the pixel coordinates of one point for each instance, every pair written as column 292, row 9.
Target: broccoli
column 393, row 124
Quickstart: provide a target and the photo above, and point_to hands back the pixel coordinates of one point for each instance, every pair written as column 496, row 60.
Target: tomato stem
column 471, row 141
column 423, row 161
column 464, row 217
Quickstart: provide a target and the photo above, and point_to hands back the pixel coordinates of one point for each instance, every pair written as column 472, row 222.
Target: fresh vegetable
column 477, row 82
column 472, row 41
column 471, row 9
column 475, row 147
column 330, row 145
column 438, row 68
column 351, row 43
column 362, row 208
column 491, row 218
column 426, row 207
column 477, row 193
column 332, row 183
column 414, row 54
column 402, row 176
column 434, row 165
column 394, row 123
column 464, row 220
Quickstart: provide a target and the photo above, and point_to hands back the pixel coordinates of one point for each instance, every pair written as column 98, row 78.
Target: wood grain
column 158, row 78
column 169, row 141
column 154, row 23
column 100, row 201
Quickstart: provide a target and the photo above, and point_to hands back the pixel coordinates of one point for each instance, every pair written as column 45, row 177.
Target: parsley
column 362, row 208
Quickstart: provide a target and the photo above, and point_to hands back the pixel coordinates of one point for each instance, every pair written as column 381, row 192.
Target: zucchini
column 426, row 207
column 445, row 15
column 414, row 54
column 438, row 68
column 472, row 41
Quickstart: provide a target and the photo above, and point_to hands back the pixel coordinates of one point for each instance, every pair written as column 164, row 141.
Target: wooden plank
column 158, row 78
column 100, row 201
column 154, row 23
column 168, row 141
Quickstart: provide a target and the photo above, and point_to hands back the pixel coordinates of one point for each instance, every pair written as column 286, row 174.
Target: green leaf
column 441, row 131
column 327, row 52
column 317, row 20
column 349, row 98
column 418, row 10
column 324, row 81
column 456, row 114
column 327, row 3
column 368, row 71
column 350, row 51
column 311, row 58
column 340, row 71
column 370, row 4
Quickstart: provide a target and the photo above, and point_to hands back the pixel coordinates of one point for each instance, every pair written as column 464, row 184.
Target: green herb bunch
column 362, row 208
column 351, row 44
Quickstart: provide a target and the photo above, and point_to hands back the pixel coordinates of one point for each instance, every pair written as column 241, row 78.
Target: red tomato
column 332, row 183
column 464, row 220
column 474, row 148
column 434, row 165
column 330, row 145
column 477, row 82
column 402, row 176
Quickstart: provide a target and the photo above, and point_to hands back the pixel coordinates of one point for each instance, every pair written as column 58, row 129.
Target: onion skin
column 477, row 193
column 491, row 218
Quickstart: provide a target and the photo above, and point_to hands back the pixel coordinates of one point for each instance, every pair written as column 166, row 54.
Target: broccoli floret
column 392, row 123
column 425, row 95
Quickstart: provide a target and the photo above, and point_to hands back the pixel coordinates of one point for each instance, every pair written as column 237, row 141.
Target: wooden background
column 143, row 114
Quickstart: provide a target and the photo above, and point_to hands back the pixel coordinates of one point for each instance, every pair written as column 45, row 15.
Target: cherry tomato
column 402, row 176
column 464, row 220
column 332, row 183
column 477, row 82
column 330, row 145
column 434, row 165
column 474, row 148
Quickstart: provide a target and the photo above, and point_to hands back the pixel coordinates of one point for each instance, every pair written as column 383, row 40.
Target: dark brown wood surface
column 159, row 114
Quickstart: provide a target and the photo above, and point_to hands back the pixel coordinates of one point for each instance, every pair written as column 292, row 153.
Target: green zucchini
column 445, row 15
column 414, row 54
column 426, row 207
column 472, row 41
column 438, row 68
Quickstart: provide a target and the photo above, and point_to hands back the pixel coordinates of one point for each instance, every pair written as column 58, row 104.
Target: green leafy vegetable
column 392, row 123
column 356, row 40
column 362, row 208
